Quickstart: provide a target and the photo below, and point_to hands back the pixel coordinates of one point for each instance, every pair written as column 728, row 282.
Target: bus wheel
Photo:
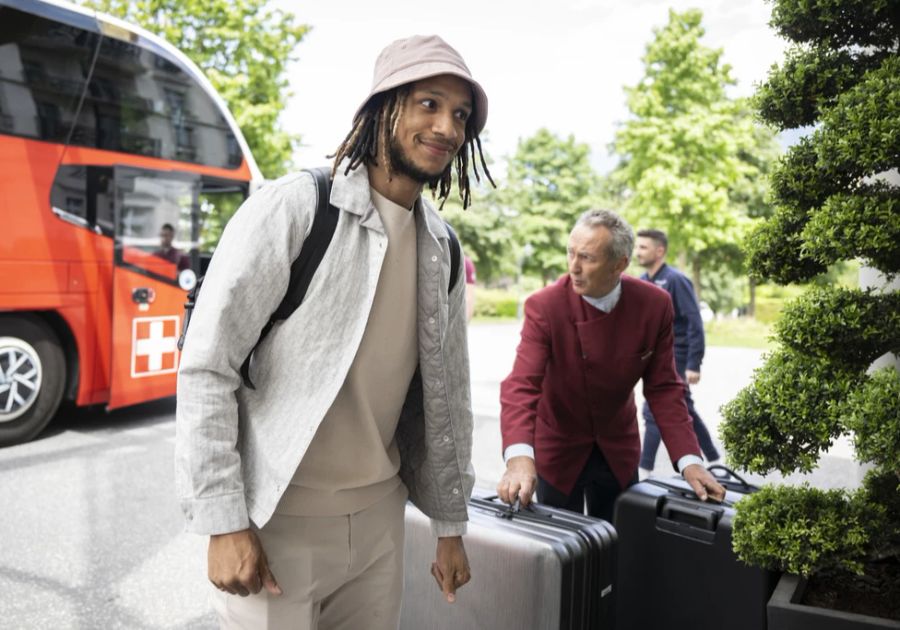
column 32, row 377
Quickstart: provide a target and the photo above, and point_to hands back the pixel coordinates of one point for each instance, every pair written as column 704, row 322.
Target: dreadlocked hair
column 372, row 132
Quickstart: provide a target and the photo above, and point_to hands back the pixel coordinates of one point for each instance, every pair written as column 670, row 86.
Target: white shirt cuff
column 687, row 460
column 447, row 529
column 518, row 450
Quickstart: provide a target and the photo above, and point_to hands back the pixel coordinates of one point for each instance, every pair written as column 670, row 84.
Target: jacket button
column 431, row 320
column 434, row 259
column 446, row 438
column 455, row 490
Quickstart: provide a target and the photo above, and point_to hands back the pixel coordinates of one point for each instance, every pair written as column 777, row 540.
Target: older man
column 568, row 416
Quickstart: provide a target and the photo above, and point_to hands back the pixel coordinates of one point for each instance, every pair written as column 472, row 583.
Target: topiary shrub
column 788, row 415
column 833, row 203
column 847, row 326
column 873, row 415
column 802, row 529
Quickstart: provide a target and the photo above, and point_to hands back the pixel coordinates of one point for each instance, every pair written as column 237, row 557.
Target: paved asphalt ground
column 90, row 534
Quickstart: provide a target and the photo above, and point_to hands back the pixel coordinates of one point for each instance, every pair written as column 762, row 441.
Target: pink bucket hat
column 420, row 57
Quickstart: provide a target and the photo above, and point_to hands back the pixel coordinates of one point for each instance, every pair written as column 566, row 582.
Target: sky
column 560, row 64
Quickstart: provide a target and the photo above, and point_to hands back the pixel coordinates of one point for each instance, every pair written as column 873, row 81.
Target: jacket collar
column 577, row 304
column 350, row 193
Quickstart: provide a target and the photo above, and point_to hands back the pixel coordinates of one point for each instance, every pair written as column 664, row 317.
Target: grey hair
column 622, row 242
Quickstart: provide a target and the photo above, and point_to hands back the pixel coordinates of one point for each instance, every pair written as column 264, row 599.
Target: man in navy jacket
column 651, row 249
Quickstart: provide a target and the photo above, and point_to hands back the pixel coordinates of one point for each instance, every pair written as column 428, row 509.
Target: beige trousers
column 336, row 573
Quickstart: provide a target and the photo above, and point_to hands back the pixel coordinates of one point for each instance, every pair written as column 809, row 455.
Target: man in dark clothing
column 168, row 250
column 650, row 253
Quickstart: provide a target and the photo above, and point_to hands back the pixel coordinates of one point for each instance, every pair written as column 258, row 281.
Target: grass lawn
column 739, row 333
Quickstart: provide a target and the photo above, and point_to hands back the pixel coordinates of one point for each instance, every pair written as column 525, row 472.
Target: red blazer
column 572, row 384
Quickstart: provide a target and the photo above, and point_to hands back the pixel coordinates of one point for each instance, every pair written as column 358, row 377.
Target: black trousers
column 596, row 486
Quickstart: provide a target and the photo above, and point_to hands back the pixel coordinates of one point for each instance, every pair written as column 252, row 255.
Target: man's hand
column 519, row 481
column 451, row 569
column 238, row 564
column 692, row 377
column 703, row 483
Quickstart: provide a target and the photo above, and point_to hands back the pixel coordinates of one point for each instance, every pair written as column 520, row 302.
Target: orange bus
column 113, row 149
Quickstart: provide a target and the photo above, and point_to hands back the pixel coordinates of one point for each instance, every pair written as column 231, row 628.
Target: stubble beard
column 403, row 165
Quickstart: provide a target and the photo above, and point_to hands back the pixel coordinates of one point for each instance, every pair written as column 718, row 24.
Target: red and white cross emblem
column 154, row 347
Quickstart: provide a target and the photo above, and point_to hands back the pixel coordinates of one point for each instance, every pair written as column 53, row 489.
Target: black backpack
column 303, row 268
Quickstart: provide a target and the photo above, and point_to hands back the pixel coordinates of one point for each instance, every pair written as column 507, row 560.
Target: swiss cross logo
column 154, row 347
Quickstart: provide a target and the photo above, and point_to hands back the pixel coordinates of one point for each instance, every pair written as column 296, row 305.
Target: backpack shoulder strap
column 454, row 257
column 306, row 263
column 314, row 247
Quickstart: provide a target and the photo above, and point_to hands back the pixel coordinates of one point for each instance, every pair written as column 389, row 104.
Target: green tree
column 832, row 203
column 691, row 157
column 483, row 228
column 243, row 48
column 485, row 234
column 550, row 182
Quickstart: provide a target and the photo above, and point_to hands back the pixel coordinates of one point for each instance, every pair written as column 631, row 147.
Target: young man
column 690, row 346
column 362, row 395
column 567, row 415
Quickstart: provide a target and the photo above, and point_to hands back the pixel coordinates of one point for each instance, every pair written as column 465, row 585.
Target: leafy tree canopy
column 550, row 182
column 691, row 157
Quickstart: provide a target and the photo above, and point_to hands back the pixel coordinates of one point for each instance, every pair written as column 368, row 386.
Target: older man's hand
column 703, row 483
column 519, row 481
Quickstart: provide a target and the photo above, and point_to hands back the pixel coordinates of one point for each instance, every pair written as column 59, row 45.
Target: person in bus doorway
column 362, row 396
column 568, row 417
column 168, row 251
column 690, row 346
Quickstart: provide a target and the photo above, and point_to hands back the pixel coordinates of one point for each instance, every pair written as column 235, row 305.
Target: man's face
column 648, row 252
column 166, row 236
column 592, row 272
column 432, row 127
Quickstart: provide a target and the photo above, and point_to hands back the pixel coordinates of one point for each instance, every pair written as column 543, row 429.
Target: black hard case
column 676, row 567
column 539, row 569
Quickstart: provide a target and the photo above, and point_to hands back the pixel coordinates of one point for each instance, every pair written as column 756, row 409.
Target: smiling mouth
column 438, row 148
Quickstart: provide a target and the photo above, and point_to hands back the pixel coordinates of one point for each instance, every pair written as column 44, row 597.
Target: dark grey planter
column 784, row 613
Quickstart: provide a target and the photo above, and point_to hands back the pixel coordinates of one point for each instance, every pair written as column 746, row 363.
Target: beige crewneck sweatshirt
column 353, row 461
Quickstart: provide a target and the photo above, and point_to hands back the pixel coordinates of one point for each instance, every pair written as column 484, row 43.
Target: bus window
column 83, row 195
column 139, row 102
column 43, row 69
column 157, row 223
column 219, row 200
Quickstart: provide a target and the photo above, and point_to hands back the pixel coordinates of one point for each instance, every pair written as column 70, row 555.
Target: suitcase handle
column 510, row 511
column 685, row 492
column 748, row 487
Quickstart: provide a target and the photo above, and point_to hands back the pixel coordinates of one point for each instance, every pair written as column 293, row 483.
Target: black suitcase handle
column 687, row 493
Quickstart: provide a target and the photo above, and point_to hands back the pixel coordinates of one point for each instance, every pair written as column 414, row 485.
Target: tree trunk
column 695, row 276
column 751, row 309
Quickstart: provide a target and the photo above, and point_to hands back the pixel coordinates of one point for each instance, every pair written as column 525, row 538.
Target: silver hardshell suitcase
column 535, row 569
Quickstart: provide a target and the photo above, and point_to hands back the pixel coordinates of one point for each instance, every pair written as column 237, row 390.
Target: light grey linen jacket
column 236, row 449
